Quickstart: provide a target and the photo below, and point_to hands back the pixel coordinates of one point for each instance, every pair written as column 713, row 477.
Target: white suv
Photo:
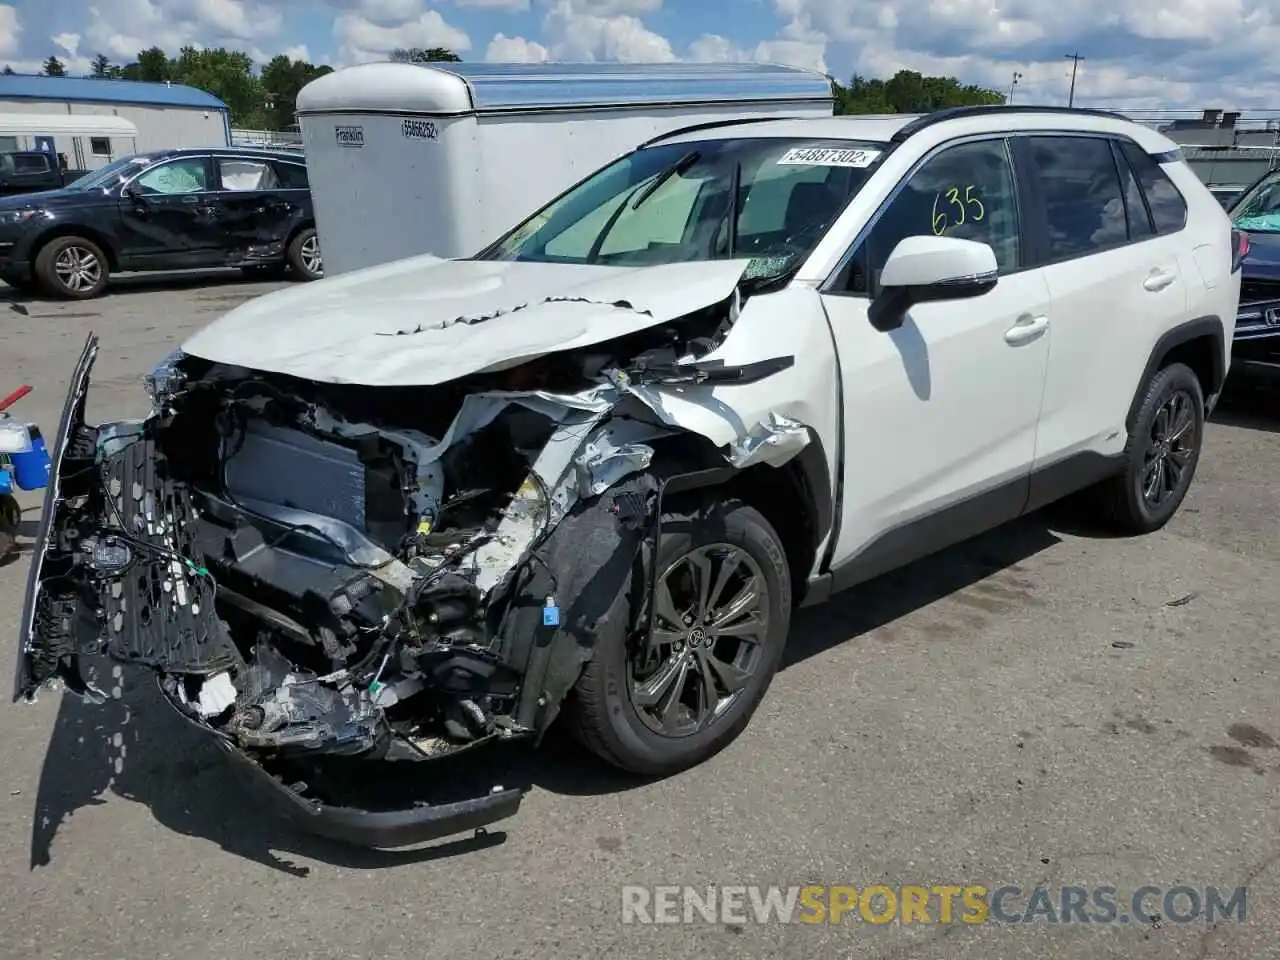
column 403, row 511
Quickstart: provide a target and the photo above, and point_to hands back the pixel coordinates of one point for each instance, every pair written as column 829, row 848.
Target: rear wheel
column 662, row 702
column 1162, row 454
column 72, row 268
column 304, row 255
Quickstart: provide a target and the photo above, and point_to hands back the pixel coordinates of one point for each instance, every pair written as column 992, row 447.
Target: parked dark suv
column 1257, row 214
column 26, row 171
column 167, row 210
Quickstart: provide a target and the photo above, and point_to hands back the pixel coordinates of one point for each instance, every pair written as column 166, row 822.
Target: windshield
column 1259, row 209
column 108, row 175
column 768, row 200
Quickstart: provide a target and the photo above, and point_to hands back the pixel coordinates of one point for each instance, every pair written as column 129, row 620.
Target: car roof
column 295, row 155
column 931, row 128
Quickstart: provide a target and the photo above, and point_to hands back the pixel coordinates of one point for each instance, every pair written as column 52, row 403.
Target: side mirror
column 927, row 268
column 133, row 193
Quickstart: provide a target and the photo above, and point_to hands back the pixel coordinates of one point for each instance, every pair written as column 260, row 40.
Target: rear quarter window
column 293, row 176
column 1168, row 208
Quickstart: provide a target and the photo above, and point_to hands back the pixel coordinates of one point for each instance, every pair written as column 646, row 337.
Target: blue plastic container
column 6, row 480
column 31, row 469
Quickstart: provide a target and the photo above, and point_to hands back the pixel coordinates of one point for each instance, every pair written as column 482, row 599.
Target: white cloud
column 360, row 41
column 809, row 54
column 515, row 50
column 69, row 42
column 1144, row 52
column 514, row 6
column 10, row 27
column 575, row 33
column 388, row 11
column 236, row 18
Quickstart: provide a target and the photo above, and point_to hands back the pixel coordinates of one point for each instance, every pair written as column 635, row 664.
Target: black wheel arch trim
column 700, row 466
column 1207, row 326
column 79, row 231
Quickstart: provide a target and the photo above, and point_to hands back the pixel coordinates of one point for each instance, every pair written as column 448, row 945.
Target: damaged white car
column 404, row 512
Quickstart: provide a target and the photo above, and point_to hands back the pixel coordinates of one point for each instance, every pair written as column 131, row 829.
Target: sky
column 1139, row 54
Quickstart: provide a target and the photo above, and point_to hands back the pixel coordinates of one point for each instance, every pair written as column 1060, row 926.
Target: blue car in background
column 1256, row 212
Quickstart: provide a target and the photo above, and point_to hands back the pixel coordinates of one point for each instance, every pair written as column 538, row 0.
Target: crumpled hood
column 425, row 321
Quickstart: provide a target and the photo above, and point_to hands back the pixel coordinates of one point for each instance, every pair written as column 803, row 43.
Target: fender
column 1209, row 326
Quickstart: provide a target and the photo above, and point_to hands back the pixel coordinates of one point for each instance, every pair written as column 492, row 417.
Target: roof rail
column 957, row 113
column 710, row 125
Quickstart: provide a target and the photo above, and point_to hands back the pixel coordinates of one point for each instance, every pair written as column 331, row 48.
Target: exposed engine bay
column 386, row 573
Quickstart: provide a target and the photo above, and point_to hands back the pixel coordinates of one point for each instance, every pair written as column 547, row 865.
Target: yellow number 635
column 941, row 220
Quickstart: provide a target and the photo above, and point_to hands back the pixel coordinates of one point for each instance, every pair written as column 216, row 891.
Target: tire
column 72, row 268
column 304, row 255
column 1172, row 403
column 604, row 713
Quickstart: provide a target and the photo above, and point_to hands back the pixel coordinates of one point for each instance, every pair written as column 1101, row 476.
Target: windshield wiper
column 680, row 166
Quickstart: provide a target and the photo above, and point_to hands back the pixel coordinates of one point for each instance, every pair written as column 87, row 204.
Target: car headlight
column 164, row 378
column 11, row 218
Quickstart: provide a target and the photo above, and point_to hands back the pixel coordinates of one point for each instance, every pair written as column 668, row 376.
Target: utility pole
column 1013, row 86
column 1075, row 59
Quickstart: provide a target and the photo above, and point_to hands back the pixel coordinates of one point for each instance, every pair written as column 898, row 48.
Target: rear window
column 30, row 163
column 1168, row 208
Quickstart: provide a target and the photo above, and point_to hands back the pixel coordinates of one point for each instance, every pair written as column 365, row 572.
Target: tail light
column 1239, row 248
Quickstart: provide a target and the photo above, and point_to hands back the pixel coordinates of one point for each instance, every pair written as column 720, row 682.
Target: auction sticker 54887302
column 830, row 157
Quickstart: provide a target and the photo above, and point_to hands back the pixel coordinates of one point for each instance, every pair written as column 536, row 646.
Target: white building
column 165, row 115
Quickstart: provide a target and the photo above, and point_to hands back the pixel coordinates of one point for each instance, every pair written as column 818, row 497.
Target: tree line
column 265, row 99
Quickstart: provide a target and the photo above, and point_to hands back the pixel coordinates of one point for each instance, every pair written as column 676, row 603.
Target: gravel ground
column 1037, row 707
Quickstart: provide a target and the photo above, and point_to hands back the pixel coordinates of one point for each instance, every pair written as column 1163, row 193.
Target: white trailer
column 405, row 159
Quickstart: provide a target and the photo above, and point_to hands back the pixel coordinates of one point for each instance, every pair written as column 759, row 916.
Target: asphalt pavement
column 1039, row 707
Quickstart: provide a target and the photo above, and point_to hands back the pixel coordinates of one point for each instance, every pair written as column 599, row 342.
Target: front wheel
column 661, row 702
column 304, row 255
column 1162, row 454
column 72, row 268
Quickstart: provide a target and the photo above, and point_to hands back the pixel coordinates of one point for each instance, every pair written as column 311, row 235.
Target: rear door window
column 244, row 174
column 1168, row 208
column 1084, row 207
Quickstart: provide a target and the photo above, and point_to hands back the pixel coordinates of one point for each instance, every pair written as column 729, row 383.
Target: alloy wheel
column 78, row 268
column 310, row 254
column 711, row 619
column 1170, row 449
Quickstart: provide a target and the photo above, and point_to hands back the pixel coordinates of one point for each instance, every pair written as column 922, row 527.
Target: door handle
column 1027, row 328
column 1157, row 281
column 190, row 198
